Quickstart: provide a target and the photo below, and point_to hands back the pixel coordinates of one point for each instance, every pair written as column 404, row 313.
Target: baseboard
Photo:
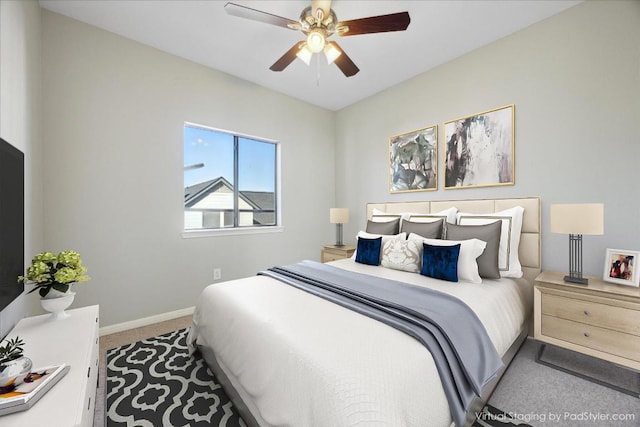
column 119, row 327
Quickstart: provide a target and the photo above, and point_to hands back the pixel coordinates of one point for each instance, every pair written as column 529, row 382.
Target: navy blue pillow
column 440, row 262
column 368, row 251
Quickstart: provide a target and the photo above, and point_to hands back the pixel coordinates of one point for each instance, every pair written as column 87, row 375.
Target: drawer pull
column 586, row 334
column 587, row 313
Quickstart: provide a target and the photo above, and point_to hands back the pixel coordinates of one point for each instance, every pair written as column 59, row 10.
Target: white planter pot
column 54, row 293
column 57, row 305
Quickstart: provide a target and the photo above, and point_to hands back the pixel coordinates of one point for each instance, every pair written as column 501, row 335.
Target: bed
column 289, row 358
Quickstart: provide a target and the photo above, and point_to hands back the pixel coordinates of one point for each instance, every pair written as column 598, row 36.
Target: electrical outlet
column 217, row 274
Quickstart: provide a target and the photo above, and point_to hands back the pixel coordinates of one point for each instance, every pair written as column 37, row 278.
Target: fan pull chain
column 317, row 70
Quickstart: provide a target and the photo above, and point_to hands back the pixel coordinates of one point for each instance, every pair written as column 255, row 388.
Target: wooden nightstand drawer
column 330, row 256
column 594, row 337
column 334, row 253
column 593, row 313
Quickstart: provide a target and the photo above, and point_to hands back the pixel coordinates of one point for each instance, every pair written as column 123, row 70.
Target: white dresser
column 74, row 341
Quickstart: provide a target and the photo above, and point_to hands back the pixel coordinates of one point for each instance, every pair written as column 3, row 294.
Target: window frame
column 237, row 229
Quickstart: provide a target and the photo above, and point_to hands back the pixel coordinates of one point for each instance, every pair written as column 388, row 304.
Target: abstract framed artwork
column 480, row 149
column 413, row 160
column 620, row 267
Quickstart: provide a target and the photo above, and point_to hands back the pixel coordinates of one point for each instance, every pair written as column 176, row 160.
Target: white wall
column 114, row 112
column 20, row 122
column 575, row 82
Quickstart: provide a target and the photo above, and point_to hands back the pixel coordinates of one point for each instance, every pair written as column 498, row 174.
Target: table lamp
column 338, row 216
column 576, row 220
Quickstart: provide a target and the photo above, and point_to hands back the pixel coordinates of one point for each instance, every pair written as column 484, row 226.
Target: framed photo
column 620, row 267
column 480, row 149
column 413, row 161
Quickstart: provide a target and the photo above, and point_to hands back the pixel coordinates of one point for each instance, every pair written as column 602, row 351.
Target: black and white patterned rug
column 155, row 382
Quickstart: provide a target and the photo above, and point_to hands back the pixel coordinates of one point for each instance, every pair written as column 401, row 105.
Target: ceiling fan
column 319, row 22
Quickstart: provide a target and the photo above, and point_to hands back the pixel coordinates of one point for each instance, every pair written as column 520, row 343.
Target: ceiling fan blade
column 260, row 16
column 345, row 63
column 325, row 5
column 287, row 58
column 375, row 24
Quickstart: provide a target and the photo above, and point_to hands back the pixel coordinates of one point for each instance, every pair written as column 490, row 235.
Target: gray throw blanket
column 464, row 355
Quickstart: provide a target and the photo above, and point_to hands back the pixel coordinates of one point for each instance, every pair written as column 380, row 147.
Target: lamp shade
column 331, row 52
column 304, row 54
column 338, row 215
column 585, row 218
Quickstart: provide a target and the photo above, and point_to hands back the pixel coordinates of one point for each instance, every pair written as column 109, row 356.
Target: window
column 230, row 180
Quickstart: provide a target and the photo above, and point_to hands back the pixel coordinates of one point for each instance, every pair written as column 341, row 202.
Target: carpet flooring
column 543, row 396
column 155, row 382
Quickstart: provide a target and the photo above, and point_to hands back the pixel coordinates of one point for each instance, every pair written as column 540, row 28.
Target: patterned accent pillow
column 402, row 255
column 440, row 262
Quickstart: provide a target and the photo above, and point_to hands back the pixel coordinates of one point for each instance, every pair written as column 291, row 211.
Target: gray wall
column 104, row 156
column 20, row 123
column 575, row 82
column 114, row 112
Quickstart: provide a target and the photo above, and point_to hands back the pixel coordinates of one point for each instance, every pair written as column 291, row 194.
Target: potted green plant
column 49, row 271
column 52, row 275
column 13, row 363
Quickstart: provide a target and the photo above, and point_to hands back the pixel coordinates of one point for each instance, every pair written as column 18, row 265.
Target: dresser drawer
column 593, row 313
column 594, row 337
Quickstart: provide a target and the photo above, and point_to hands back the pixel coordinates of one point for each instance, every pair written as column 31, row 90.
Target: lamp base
column 339, row 235
column 578, row 280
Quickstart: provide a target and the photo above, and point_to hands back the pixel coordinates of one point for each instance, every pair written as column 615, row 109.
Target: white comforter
column 298, row 360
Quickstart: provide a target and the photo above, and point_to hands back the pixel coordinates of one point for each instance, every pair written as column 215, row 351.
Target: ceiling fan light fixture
column 315, row 41
column 318, row 22
column 331, row 52
column 304, row 54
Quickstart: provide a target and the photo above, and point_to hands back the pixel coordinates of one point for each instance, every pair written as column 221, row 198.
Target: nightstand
column 601, row 320
column 333, row 252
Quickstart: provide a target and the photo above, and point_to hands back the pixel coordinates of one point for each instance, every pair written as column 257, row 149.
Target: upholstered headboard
column 530, row 239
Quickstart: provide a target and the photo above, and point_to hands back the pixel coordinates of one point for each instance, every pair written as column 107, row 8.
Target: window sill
column 192, row 234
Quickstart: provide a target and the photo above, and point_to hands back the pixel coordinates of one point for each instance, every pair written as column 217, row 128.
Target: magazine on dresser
column 28, row 389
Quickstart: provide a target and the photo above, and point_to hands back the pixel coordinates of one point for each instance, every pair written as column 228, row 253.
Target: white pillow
column 382, row 217
column 448, row 214
column 469, row 251
column 385, row 238
column 405, row 255
column 508, row 259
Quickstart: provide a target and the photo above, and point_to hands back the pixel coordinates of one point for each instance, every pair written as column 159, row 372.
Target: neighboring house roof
column 194, row 193
column 260, row 200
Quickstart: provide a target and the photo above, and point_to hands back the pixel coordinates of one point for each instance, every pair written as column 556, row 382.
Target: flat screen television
column 11, row 222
